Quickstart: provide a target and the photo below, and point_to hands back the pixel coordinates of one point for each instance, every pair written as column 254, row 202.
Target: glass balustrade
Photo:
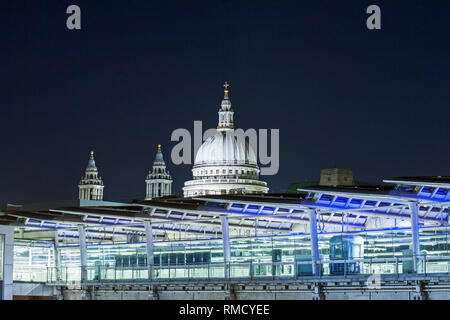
column 241, row 271
column 384, row 252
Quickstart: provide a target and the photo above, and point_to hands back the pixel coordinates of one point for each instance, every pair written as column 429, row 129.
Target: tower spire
column 92, row 155
column 159, row 148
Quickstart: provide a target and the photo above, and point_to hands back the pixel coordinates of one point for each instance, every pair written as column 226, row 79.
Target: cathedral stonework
column 225, row 164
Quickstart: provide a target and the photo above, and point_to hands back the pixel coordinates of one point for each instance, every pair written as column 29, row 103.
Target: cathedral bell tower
column 91, row 185
column 159, row 181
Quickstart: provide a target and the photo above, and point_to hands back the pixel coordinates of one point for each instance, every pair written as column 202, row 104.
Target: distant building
column 159, row 181
column 91, row 185
column 332, row 177
column 336, row 177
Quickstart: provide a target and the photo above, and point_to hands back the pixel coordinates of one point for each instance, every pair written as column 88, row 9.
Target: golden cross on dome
column 92, row 155
column 226, row 85
column 159, row 148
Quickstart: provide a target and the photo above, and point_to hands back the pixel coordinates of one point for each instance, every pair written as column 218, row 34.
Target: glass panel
column 434, row 250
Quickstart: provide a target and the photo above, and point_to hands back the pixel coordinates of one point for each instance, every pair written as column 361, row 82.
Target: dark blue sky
column 376, row 102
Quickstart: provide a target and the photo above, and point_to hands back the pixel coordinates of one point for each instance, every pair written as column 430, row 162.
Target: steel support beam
column 414, row 210
column 149, row 236
column 226, row 244
column 314, row 241
column 7, row 261
column 83, row 256
column 58, row 275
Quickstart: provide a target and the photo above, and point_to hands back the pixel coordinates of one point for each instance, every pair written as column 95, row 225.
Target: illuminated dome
column 223, row 148
column 91, row 163
column 159, row 156
column 225, row 163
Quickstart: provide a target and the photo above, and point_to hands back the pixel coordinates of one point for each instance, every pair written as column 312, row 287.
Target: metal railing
column 25, row 273
column 242, row 270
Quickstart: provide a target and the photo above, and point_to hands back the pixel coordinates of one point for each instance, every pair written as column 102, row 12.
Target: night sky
column 376, row 102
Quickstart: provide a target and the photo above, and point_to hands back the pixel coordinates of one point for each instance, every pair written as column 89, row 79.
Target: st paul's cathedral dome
column 225, row 163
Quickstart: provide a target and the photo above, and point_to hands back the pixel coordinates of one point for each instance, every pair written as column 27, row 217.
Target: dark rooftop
column 374, row 189
column 424, row 179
